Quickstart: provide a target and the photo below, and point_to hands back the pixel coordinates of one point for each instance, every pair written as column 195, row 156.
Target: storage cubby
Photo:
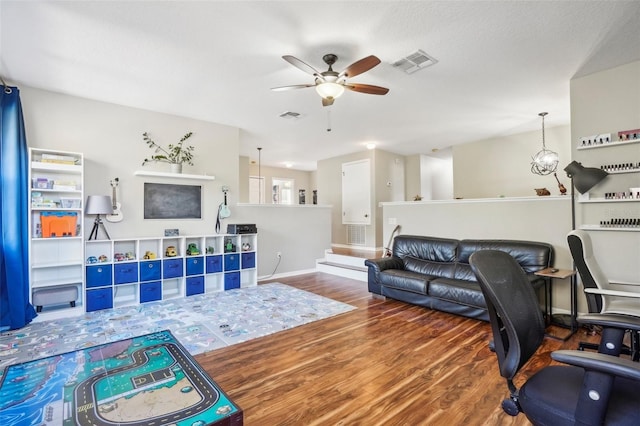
column 148, row 274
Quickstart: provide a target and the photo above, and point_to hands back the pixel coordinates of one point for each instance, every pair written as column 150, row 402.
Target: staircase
column 346, row 262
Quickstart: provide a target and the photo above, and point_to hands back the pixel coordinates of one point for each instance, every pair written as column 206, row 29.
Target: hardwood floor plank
column 384, row 363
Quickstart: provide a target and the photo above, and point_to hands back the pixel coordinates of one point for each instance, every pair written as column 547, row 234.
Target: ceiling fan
column 331, row 84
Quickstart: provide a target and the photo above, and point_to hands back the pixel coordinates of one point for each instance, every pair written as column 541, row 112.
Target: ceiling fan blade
column 295, row 86
column 358, row 67
column 367, row 88
column 327, row 102
column 302, row 66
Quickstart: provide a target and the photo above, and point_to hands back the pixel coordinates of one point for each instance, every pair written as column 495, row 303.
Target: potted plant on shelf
column 176, row 155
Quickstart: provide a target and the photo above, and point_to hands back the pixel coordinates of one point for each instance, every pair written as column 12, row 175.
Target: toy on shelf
column 118, row 257
column 149, row 255
column 171, row 252
column 210, row 250
column 102, row 258
column 229, row 247
column 192, row 249
column 92, row 259
column 130, row 256
column 246, row 246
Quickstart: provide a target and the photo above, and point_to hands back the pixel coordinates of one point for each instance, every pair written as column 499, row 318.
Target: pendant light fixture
column 545, row 161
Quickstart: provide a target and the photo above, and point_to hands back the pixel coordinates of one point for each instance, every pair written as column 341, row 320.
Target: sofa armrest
column 383, row 263
column 376, row 266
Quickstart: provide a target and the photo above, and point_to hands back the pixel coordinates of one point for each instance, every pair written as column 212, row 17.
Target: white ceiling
column 500, row 64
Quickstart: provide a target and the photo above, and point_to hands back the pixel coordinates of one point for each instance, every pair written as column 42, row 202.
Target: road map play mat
column 145, row 380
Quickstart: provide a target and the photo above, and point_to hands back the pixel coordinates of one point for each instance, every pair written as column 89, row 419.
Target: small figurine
column 246, row 246
column 118, row 257
column 171, row 252
column 542, row 191
column 92, row 259
column 192, row 249
column 210, row 250
column 129, row 256
column 103, row 258
column 149, row 255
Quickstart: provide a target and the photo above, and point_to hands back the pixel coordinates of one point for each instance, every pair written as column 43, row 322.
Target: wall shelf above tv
column 172, row 175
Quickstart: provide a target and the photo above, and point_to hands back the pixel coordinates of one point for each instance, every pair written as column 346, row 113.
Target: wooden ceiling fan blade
column 367, row 88
column 302, row 65
column 292, row 87
column 358, row 67
column 327, row 101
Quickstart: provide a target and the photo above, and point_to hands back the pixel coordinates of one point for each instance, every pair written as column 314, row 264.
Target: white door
column 356, row 193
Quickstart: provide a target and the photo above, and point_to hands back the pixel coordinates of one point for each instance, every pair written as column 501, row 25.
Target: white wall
column 436, row 178
column 608, row 102
column 110, row 136
column 502, row 166
column 300, row 233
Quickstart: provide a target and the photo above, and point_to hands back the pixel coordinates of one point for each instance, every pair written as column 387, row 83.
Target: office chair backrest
column 590, row 273
column 514, row 312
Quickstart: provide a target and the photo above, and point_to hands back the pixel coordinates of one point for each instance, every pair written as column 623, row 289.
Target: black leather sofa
column 435, row 273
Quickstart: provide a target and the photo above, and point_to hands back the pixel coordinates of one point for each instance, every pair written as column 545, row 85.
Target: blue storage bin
column 172, row 268
column 98, row 275
column 231, row 280
column 248, row 260
column 231, row 262
column 150, row 270
column 125, row 273
column 101, row 298
column 195, row 265
column 150, row 291
column 214, row 264
column 195, row 285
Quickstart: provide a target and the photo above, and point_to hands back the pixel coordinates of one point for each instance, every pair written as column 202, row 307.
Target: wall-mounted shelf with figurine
column 173, row 175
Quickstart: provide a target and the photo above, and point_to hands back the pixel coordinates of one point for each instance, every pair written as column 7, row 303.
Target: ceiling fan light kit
column 330, row 90
column 330, row 84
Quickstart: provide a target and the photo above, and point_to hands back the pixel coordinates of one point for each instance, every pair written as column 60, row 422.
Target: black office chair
column 595, row 389
column 601, row 297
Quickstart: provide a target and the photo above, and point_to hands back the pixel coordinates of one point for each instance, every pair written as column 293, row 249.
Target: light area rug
column 201, row 323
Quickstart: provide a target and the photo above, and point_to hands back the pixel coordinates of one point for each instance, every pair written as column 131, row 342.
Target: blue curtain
column 15, row 309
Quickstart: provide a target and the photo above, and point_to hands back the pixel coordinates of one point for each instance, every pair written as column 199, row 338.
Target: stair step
column 343, row 265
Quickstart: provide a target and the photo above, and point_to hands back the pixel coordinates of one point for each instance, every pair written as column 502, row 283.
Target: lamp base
column 97, row 223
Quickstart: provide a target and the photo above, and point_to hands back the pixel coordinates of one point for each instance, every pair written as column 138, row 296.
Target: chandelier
column 545, row 161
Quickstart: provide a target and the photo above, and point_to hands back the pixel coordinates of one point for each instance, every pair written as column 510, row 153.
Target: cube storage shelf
column 140, row 270
column 56, row 259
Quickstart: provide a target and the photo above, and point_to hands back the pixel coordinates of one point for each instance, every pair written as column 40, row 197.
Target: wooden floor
column 385, row 363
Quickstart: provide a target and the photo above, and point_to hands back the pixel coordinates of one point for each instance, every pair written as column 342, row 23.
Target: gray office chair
column 594, row 389
column 601, row 298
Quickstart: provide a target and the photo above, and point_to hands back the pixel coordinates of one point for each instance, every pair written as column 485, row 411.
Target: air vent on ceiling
column 415, row 62
column 290, row 115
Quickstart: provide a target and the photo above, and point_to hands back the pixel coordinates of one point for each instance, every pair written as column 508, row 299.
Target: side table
column 562, row 320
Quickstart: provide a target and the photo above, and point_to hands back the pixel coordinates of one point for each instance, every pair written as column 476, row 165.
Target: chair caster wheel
column 510, row 407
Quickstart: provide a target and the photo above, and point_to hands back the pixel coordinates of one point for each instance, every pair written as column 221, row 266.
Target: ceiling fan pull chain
column 328, row 120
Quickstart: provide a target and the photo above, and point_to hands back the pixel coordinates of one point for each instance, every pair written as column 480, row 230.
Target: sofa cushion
column 430, row 248
column 464, row 292
column 405, row 280
column 530, row 255
column 429, row 267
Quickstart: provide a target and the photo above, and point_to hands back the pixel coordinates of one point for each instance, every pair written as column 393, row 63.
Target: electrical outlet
column 279, row 255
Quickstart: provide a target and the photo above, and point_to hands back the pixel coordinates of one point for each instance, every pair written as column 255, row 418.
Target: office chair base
column 511, row 406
